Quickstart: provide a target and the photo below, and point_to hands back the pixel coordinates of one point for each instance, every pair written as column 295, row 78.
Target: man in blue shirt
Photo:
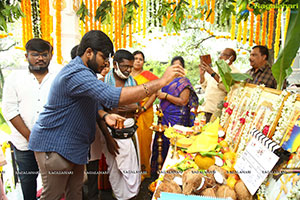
column 65, row 129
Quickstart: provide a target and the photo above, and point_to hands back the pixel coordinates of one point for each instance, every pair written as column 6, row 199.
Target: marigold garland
column 233, row 21
column 271, row 28
column 130, row 35
column 116, row 24
column 257, row 30
column 95, row 8
column 139, row 16
column 120, row 23
column 239, row 34
column 212, row 15
column 202, row 2
column 245, row 32
column 124, row 28
column 264, row 28
column 277, row 33
column 251, row 29
column 24, row 21
column 91, row 13
column 86, row 26
column 58, row 33
column 196, row 3
column 287, row 19
column 144, row 18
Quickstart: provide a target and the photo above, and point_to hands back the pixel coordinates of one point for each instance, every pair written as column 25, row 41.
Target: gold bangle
column 146, row 90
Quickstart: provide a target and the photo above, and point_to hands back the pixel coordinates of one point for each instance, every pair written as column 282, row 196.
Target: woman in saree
column 145, row 119
column 177, row 100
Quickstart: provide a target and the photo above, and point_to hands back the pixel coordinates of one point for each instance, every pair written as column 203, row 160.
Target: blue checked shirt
column 67, row 124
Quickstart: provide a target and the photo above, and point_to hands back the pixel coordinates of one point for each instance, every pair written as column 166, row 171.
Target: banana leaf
column 282, row 67
column 228, row 78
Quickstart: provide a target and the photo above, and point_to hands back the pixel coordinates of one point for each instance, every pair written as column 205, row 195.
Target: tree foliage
column 10, row 11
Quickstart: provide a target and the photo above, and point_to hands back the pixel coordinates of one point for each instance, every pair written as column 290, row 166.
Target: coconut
column 208, row 192
column 167, row 186
column 225, row 191
column 242, row 191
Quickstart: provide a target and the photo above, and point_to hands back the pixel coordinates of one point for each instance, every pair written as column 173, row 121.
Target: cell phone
column 206, row 59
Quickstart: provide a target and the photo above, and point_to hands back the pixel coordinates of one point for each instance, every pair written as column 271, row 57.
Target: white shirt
column 24, row 96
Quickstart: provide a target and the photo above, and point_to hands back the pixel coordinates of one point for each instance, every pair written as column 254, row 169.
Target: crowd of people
column 63, row 123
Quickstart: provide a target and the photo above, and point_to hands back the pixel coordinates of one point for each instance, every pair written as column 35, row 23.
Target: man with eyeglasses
column 124, row 168
column 62, row 135
column 24, row 95
column 212, row 83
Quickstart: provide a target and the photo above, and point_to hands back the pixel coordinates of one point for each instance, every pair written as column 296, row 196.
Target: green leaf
column 282, row 67
column 82, row 12
column 240, row 76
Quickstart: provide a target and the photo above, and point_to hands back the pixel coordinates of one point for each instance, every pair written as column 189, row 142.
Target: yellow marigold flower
column 201, row 29
column 244, row 52
column 10, row 34
column 174, row 34
column 190, row 16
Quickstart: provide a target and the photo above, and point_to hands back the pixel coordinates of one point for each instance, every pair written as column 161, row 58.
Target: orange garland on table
column 264, row 28
column 212, row 15
column 239, row 33
column 277, row 33
column 287, row 19
column 245, row 31
column 271, row 28
column 257, row 31
column 58, row 32
column 251, row 29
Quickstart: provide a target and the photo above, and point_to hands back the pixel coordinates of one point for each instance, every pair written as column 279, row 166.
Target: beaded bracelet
column 146, row 90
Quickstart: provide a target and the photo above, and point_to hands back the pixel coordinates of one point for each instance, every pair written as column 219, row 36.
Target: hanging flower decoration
column 287, row 19
column 251, row 29
column 277, row 33
column 239, row 34
column 257, row 31
column 58, row 9
column 264, row 28
column 283, row 122
column 245, row 32
column 271, row 28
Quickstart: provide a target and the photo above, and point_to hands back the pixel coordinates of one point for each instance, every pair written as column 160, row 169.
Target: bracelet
column 144, row 108
column 166, row 96
column 146, row 90
column 213, row 74
column 104, row 116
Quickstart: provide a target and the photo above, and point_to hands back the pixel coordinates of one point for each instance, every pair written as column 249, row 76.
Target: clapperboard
column 257, row 160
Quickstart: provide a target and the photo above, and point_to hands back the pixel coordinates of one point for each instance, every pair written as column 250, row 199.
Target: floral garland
column 264, row 28
column 58, row 8
column 245, row 32
column 277, row 33
column 284, row 119
column 212, row 15
column 239, row 34
column 287, row 19
column 271, row 28
column 294, row 193
column 255, row 95
column 271, row 117
column 225, row 111
column 257, row 31
column 262, row 189
column 251, row 29
column 232, row 30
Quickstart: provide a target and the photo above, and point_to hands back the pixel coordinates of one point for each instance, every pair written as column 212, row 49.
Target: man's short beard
column 92, row 64
column 40, row 70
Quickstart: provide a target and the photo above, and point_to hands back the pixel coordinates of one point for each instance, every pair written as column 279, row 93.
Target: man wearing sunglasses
column 24, row 95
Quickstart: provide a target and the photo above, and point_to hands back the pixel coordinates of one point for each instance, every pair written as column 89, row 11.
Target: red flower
column 229, row 111
column 266, row 130
column 247, row 113
column 242, row 120
column 225, row 104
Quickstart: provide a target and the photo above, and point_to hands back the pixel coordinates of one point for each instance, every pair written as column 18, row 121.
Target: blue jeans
column 28, row 172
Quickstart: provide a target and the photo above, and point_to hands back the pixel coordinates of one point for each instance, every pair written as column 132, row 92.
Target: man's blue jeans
column 28, row 172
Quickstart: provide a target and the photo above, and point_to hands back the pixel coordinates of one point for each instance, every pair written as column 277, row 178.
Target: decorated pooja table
column 257, row 158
